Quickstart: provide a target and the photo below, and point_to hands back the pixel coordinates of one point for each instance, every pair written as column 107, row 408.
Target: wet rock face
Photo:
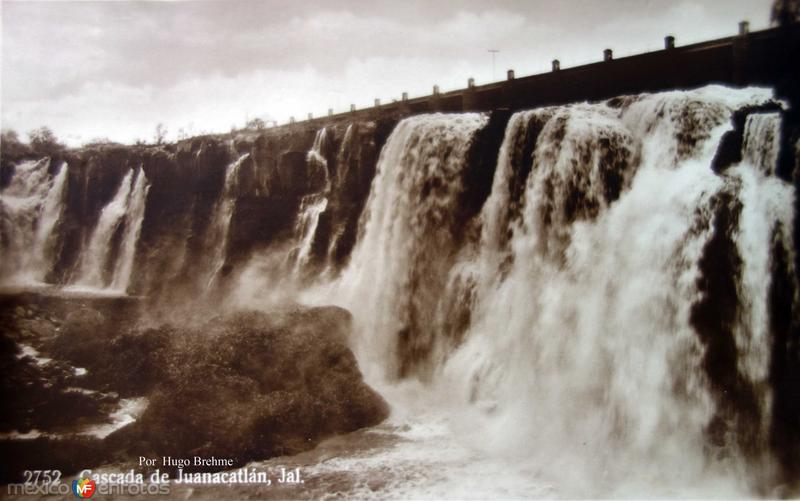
column 185, row 182
column 204, row 207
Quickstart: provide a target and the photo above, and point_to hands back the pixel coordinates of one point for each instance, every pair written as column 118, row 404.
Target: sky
column 115, row 69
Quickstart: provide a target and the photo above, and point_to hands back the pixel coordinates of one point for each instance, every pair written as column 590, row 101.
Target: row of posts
column 608, row 55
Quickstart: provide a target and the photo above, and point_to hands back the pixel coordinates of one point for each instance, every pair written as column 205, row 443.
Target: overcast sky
column 116, row 69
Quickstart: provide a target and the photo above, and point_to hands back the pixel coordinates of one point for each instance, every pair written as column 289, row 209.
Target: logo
column 83, row 488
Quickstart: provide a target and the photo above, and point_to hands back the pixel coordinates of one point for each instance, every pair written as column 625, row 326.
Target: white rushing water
column 311, row 208
column 124, row 213
column 312, row 205
column 221, row 222
column 578, row 371
column 419, row 163
column 128, row 411
column 30, row 208
column 96, row 256
column 130, row 237
column 762, row 141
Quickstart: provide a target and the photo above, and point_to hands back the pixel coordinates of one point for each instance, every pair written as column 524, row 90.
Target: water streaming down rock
column 32, row 205
column 210, row 206
column 107, row 261
column 312, row 205
column 602, row 341
column 310, row 210
column 97, row 258
column 400, row 262
column 344, row 186
column 130, row 238
column 217, row 234
column 762, row 137
column 355, row 163
column 513, row 166
column 339, row 168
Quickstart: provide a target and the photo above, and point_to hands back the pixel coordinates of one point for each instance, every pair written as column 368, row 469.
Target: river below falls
column 432, row 448
column 406, row 457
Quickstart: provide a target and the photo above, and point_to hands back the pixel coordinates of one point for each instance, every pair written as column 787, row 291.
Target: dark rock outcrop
column 245, row 385
column 252, row 386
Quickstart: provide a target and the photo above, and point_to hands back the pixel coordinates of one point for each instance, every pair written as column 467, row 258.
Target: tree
column 256, row 124
column 11, row 146
column 44, row 142
column 161, row 133
column 9, row 136
column 785, row 12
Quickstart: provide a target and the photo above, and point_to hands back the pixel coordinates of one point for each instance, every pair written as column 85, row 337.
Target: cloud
column 116, row 69
column 215, row 102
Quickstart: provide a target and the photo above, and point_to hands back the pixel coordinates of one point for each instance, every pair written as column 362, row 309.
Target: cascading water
column 585, row 348
column 338, row 173
column 313, row 204
column 97, row 255
column 32, row 206
column 400, row 262
column 107, row 262
column 350, row 181
column 310, row 209
column 130, row 238
column 590, row 354
column 48, row 220
column 218, row 231
column 762, row 141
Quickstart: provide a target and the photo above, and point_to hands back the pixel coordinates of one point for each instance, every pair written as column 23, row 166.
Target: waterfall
column 310, row 209
column 401, row 258
column 766, row 213
column 97, row 256
column 217, row 235
column 355, row 164
column 762, row 141
column 312, row 205
column 32, row 205
column 344, row 172
column 316, row 155
column 584, row 348
column 51, row 213
column 588, row 344
column 107, row 261
column 134, row 217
